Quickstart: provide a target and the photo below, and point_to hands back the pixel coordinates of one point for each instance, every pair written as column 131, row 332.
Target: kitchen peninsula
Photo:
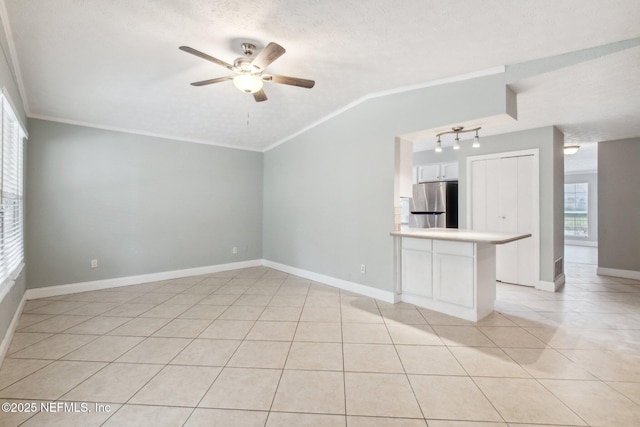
column 449, row 270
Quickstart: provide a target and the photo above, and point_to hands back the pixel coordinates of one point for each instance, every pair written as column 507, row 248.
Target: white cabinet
column 452, row 277
column 502, row 200
column 449, row 171
column 417, row 268
column 438, row 172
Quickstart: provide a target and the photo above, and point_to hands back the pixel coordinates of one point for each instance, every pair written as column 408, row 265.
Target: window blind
column 11, row 194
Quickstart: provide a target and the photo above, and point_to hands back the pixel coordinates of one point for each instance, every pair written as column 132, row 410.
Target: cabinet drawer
column 453, row 248
column 417, row 244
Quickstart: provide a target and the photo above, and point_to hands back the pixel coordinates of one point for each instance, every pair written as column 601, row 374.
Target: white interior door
column 527, row 250
column 507, row 194
column 503, row 198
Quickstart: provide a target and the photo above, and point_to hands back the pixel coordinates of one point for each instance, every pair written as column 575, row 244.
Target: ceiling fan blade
column 293, row 81
column 211, row 81
column 205, row 56
column 260, row 96
column 269, row 54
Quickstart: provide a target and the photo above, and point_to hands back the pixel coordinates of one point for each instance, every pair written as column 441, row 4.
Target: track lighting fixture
column 458, row 130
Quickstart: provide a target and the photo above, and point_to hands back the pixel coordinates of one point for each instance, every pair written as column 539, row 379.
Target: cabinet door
column 428, row 173
column 453, row 279
column 417, row 273
column 449, row 171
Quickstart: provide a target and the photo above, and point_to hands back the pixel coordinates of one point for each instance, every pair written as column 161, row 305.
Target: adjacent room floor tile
column 54, row 347
column 435, row 360
column 318, row 332
column 310, row 391
column 117, row 382
column 384, row 395
column 260, row 354
column 228, row 329
column 52, row 381
column 526, row 401
column 596, row 402
column 371, row 358
column 157, row 416
column 104, row 349
column 155, row 350
column 242, row 388
column 13, row 370
column 98, row 325
column 463, row 336
column 140, row 327
column 315, row 356
column 413, row 334
column 488, row 362
column 272, row 331
column 207, row 352
column 366, row 333
column 284, row 419
column 177, row 386
column 74, row 419
column 547, row 363
column 183, row 328
column 22, row 340
column 452, row 398
column 225, row 417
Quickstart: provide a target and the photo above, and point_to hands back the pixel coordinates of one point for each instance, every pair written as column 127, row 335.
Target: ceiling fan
column 249, row 70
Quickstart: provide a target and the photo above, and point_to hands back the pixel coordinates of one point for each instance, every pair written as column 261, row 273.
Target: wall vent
column 558, row 267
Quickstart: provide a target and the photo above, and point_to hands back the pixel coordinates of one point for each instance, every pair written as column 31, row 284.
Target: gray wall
column 592, row 205
column 549, row 143
column 618, row 204
column 10, row 302
column 329, row 191
column 137, row 204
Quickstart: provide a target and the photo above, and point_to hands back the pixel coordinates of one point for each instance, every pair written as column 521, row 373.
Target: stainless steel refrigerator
column 434, row 204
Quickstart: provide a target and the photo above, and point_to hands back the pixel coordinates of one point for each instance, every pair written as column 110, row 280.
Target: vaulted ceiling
column 115, row 64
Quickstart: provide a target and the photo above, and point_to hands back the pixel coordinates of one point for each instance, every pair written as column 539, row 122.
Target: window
column 11, row 195
column 576, row 212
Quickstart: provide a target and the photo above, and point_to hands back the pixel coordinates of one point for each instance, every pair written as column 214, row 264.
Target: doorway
column 503, row 196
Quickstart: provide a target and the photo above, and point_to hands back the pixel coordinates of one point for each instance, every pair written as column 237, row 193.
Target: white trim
column 6, row 287
column 138, row 132
column 95, row 285
column 615, row 272
column 8, row 336
column 590, row 243
column 431, row 83
column 4, row 15
column 584, row 172
column 543, row 285
column 380, row 294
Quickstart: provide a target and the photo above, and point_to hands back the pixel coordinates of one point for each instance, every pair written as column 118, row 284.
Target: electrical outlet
column 94, row 263
column 363, row 268
column 234, row 250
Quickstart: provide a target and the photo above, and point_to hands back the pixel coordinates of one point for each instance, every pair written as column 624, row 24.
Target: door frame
column 535, row 233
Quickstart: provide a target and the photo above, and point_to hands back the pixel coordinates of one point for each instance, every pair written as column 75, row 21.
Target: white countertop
column 459, row 235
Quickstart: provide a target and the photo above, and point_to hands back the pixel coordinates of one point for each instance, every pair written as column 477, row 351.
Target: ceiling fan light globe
column 248, row 83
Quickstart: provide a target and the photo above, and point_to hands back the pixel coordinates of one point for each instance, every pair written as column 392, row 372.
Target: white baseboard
column 382, row 295
column 581, row 243
column 51, row 291
column 544, row 285
column 614, row 272
column 6, row 341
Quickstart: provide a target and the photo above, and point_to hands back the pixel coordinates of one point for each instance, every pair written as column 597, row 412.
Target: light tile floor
column 258, row 347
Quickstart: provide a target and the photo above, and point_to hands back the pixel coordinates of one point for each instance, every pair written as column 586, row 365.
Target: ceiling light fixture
column 458, row 130
column 571, row 149
column 438, row 146
column 476, row 141
column 248, row 83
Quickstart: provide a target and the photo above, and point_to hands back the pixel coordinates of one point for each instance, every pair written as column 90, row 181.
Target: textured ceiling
column 116, row 64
